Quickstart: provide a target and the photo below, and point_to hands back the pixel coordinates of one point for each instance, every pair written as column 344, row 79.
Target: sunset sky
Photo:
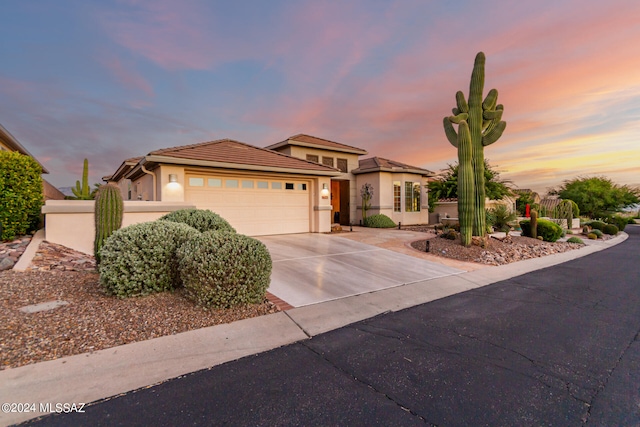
column 108, row 80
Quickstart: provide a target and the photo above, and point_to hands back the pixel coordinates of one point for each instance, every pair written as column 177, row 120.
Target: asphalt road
column 558, row 346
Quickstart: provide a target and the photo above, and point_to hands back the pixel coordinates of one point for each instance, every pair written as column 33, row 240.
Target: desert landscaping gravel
column 92, row 320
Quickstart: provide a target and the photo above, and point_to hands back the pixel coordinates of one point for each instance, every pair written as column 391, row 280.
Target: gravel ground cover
column 92, row 320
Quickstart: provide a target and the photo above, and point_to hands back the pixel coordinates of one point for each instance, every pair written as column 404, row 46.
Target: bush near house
column 141, row 259
column 596, row 225
column 610, row 229
column 223, row 269
column 20, row 194
column 200, row 219
column 378, row 221
column 549, row 231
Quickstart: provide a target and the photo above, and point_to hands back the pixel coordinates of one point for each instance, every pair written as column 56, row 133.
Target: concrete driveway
column 313, row 268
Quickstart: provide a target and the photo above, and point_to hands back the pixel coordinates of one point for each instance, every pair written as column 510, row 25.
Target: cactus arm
column 492, row 115
column 77, row 190
column 494, row 134
column 491, row 99
column 452, row 136
column 85, row 179
column 455, row 111
column 459, row 118
column 463, row 107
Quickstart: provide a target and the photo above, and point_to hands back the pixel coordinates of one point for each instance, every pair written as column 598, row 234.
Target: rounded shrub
column 575, row 239
column 592, row 236
column 619, row 221
column 223, row 269
column 20, row 194
column 596, row 225
column 141, row 259
column 610, row 229
column 597, row 232
column 378, row 221
column 200, row 219
column 548, row 230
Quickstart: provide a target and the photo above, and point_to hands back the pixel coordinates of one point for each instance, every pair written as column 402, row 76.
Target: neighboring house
column 9, row 143
column 526, row 191
column 301, row 184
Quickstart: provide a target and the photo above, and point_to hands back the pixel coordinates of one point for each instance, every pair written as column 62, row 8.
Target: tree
column 446, row 187
column 367, row 193
column 598, row 196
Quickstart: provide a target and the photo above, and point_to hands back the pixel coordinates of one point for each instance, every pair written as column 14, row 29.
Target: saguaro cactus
column 81, row 191
column 534, row 223
column 465, row 184
column 485, row 127
column 108, row 212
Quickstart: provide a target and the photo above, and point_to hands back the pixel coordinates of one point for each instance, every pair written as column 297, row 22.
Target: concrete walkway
column 88, row 377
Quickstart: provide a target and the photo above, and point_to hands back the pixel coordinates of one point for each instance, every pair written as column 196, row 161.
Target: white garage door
column 254, row 206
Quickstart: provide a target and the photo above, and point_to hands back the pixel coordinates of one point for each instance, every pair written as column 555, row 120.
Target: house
column 299, row 185
column 9, row 143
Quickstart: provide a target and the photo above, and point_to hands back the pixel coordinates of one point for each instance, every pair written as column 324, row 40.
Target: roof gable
column 302, row 140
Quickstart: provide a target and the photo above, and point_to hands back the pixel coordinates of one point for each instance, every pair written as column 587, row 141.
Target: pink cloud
column 126, row 75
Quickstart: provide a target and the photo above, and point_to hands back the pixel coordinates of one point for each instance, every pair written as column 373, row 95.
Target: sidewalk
column 88, row 377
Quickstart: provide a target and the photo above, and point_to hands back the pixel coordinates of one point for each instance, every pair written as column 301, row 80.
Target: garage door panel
column 256, row 211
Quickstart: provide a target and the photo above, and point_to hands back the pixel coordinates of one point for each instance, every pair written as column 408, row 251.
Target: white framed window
column 214, row 182
column 231, row 183
column 247, row 183
column 263, row 184
column 397, row 196
column 276, row 185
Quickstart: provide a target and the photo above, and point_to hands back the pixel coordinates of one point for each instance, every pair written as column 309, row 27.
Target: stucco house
column 9, row 143
column 301, row 184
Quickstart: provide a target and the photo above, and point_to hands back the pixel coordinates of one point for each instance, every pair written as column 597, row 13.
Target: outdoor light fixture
column 325, row 191
column 173, row 177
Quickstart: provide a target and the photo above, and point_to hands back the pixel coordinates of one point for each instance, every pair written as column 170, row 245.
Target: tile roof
column 381, row 164
column 313, row 141
column 234, row 152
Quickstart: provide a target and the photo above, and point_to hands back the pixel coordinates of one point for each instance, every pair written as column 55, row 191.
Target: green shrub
column 502, row 218
column 575, row 239
column 222, row 269
column 592, row 236
column 617, row 220
column 200, row 219
column 378, row 221
column 596, row 225
column 141, row 259
column 610, row 229
column 20, row 194
column 549, row 231
column 597, row 232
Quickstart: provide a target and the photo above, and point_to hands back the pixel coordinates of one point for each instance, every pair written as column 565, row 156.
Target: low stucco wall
column 71, row 222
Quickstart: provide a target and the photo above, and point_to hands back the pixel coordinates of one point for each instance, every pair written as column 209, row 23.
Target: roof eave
column 392, row 170
column 13, row 143
column 316, row 146
column 226, row 165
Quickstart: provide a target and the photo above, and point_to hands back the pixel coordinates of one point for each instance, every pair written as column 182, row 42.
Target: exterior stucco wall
column 382, row 201
column 71, row 222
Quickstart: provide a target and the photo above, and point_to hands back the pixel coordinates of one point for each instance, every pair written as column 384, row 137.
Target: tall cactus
column 108, row 212
column 534, row 223
column 465, row 183
column 485, row 127
column 81, row 191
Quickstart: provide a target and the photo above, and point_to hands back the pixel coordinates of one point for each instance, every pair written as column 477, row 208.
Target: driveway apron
column 313, row 268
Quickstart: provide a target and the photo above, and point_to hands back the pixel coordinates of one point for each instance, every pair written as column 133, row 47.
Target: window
column 231, row 183
column 196, row 182
column 214, row 182
column 313, row 158
column 342, row 165
column 397, row 196
column 289, row 186
column 327, row 161
column 247, row 183
column 411, row 196
column 276, row 186
column 263, row 184
column 302, row 187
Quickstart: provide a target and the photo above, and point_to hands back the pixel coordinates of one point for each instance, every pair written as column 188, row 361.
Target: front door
column 344, row 203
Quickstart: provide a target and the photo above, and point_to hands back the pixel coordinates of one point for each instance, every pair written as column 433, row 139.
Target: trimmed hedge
column 20, row 194
column 549, row 231
column 378, row 221
column 141, row 259
column 619, row 221
column 223, row 269
column 200, row 219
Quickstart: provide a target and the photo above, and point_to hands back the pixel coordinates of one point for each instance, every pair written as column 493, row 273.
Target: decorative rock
column 6, row 264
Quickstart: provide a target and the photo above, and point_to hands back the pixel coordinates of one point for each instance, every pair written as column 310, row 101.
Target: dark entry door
column 344, row 203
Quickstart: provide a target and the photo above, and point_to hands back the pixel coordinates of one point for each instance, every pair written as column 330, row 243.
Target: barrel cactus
column 108, row 212
column 485, row 126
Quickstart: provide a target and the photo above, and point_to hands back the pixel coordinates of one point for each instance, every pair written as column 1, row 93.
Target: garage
column 254, row 205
